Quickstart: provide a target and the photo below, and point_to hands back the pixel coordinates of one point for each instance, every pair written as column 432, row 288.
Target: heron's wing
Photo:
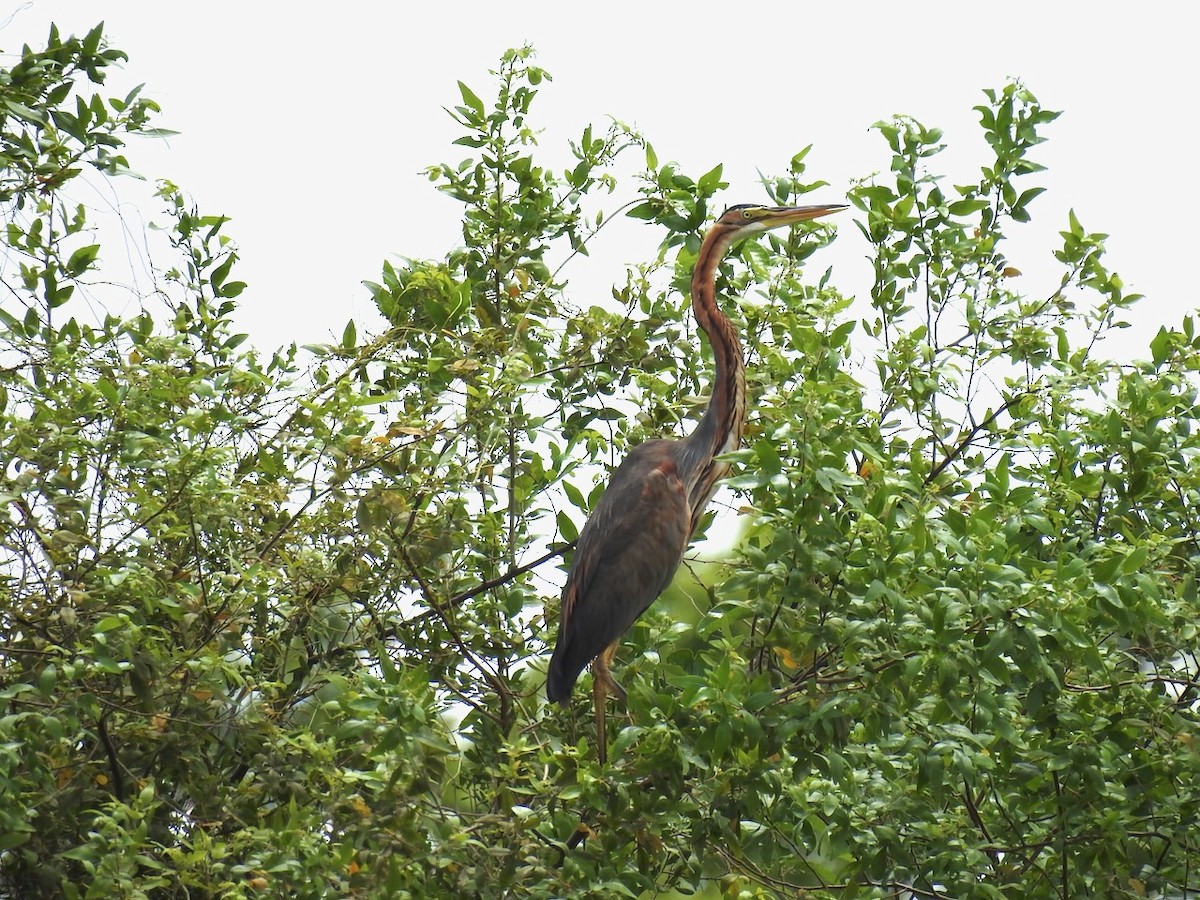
column 628, row 550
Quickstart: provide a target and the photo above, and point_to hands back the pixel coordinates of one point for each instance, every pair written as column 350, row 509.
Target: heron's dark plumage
column 627, row 554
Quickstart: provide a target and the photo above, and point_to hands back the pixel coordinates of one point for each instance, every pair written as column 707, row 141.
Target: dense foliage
column 276, row 623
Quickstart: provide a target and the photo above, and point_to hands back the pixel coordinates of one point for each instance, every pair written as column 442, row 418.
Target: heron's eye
column 746, row 214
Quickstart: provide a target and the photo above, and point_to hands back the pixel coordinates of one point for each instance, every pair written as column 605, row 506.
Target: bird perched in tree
column 634, row 539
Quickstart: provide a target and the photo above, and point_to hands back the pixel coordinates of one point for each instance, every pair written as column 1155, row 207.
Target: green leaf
column 221, row 272
column 841, row 334
column 1160, row 347
column 12, row 839
column 109, row 391
column 91, row 43
column 231, row 289
column 1076, row 228
column 566, row 527
column 966, row 207
column 575, row 496
column 1135, row 561
column 710, row 182
column 473, row 102
column 110, row 623
column 1000, row 475
column 82, row 259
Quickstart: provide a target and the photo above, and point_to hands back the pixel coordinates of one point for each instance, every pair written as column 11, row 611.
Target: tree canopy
column 275, row 621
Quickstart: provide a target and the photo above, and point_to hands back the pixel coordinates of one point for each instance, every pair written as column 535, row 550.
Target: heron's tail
column 561, row 677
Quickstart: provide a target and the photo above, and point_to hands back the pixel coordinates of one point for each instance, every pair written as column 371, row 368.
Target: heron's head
column 746, row 219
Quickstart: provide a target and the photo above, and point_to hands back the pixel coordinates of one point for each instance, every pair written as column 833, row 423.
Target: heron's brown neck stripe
column 727, row 406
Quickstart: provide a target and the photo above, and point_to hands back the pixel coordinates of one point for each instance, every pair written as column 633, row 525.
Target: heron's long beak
column 778, row 216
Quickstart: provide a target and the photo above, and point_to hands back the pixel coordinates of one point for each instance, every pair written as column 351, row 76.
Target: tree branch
column 965, row 444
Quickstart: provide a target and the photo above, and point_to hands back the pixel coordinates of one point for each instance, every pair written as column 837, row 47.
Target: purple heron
column 634, row 540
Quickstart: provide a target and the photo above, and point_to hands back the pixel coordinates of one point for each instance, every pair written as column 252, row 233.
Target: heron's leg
column 601, row 670
column 599, row 688
column 602, row 685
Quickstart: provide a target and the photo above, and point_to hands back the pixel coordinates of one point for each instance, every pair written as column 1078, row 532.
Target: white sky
column 310, row 124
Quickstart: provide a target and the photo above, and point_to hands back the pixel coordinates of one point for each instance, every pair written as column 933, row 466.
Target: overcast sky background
column 310, row 124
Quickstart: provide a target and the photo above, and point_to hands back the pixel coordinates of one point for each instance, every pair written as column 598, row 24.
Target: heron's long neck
column 720, row 429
